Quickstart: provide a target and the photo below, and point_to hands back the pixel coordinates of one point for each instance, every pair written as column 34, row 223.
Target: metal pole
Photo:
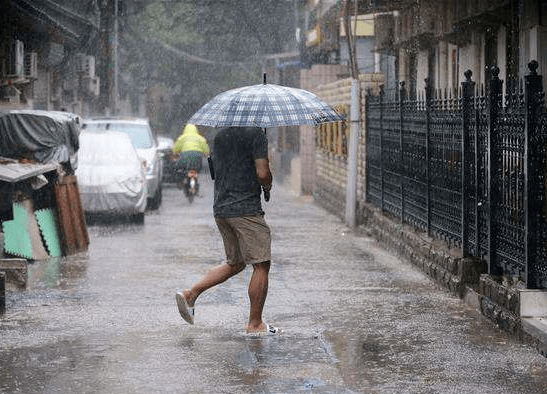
column 494, row 105
column 467, row 92
column 115, row 56
column 401, row 167
column 2, row 293
column 534, row 182
column 351, row 190
column 381, row 148
column 428, row 108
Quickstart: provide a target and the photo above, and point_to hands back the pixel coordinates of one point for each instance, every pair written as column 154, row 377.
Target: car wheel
column 155, row 202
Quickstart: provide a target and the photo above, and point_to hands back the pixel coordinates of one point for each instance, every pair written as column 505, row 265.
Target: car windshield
column 139, row 133
column 105, row 149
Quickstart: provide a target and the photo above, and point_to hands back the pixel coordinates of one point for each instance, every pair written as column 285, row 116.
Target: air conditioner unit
column 15, row 59
column 31, row 65
column 85, row 65
column 12, row 95
column 93, row 85
column 89, row 66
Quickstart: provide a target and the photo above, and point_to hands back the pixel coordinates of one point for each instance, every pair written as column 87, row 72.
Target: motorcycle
column 188, row 182
column 192, row 185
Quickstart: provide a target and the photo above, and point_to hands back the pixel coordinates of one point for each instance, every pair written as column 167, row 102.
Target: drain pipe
column 351, row 190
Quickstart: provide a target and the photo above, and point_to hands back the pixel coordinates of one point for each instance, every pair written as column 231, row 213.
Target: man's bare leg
column 258, row 290
column 214, row 277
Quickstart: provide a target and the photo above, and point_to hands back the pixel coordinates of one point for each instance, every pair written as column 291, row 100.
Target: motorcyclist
column 192, row 146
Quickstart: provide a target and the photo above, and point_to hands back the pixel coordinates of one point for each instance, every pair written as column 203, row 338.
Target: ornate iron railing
column 468, row 167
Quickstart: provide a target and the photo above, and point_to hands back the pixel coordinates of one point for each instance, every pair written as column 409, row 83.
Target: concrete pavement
column 356, row 318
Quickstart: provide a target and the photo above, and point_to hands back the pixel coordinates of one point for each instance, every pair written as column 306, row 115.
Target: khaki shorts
column 247, row 239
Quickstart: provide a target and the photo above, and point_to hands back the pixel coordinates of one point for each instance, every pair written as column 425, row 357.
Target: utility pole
column 351, row 188
column 108, row 64
column 350, row 36
column 114, row 99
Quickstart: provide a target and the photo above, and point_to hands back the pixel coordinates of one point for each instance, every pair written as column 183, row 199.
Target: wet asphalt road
column 356, row 319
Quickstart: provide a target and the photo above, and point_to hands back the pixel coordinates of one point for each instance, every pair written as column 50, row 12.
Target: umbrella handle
column 211, row 167
column 266, row 194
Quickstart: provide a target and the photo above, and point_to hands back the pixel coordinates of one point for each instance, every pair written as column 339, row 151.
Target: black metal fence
column 469, row 167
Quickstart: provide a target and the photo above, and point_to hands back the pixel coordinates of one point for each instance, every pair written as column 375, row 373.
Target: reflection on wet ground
column 356, row 319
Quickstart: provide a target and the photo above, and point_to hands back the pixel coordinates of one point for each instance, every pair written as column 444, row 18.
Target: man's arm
column 263, row 172
column 264, row 176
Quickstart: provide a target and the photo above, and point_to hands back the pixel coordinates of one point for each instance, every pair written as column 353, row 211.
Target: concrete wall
column 331, row 180
column 331, row 169
column 317, row 75
column 306, row 165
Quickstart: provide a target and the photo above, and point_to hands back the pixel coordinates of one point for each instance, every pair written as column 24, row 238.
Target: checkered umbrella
column 265, row 105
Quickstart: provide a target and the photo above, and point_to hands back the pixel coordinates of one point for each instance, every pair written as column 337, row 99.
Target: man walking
column 241, row 171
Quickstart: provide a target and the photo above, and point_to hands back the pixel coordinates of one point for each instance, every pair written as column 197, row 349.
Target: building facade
column 59, row 55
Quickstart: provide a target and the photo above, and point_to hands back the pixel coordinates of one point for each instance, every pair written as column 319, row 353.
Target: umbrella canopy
column 265, row 105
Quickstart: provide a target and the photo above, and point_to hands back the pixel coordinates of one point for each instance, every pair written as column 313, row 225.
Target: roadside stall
column 40, row 208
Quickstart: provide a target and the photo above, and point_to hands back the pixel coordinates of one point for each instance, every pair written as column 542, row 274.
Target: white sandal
column 270, row 330
column 185, row 311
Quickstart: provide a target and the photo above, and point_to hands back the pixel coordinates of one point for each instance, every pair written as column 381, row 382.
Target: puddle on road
column 61, row 273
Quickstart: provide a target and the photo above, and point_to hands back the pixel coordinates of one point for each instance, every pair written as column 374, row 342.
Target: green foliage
column 196, row 49
column 169, row 22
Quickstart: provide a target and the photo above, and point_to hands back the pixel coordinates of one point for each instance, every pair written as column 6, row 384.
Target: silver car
column 146, row 144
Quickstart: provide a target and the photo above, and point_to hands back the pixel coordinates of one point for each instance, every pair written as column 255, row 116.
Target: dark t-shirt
column 237, row 191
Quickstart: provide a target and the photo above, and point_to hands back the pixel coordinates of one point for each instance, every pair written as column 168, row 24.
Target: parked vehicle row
column 146, row 144
column 120, row 167
column 118, row 161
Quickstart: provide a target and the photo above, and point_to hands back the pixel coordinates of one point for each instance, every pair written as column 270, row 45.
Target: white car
column 145, row 142
column 169, row 159
column 111, row 176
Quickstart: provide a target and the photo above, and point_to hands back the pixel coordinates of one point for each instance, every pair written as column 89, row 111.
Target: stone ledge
column 434, row 257
column 535, row 333
column 533, row 303
column 499, row 293
column 16, row 271
column 503, row 318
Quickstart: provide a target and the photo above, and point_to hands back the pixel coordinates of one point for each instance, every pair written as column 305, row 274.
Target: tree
column 198, row 49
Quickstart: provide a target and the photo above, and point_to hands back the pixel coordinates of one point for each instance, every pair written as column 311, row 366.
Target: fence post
column 402, row 97
column 468, row 88
column 478, row 208
column 534, row 181
column 381, row 148
column 428, row 106
column 494, row 107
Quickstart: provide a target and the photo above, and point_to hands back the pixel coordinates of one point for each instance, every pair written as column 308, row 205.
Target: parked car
column 145, row 142
column 169, row 159
column 111, row 175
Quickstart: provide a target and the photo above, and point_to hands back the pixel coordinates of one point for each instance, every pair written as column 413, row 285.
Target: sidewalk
column 356, row 318
column 520, row 312
column 391, row 328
